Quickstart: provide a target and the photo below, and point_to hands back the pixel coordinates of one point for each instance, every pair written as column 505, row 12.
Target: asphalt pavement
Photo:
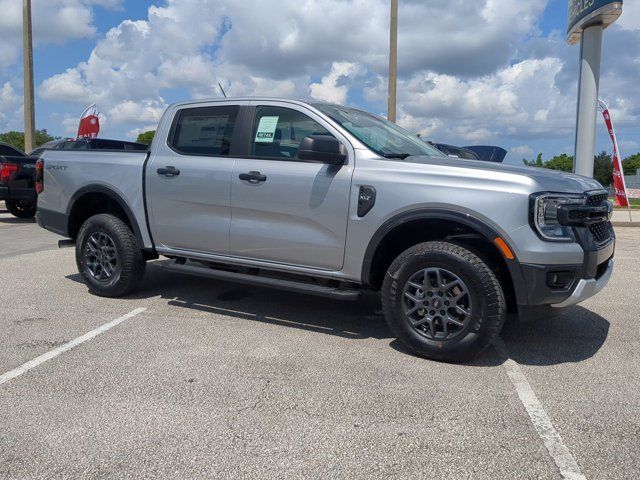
column 219, row 380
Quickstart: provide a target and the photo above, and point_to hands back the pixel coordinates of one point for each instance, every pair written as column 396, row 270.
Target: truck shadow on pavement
column 574, row 336
column 15, row 220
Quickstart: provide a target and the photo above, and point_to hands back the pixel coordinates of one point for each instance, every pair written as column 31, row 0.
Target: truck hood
column 547, row 180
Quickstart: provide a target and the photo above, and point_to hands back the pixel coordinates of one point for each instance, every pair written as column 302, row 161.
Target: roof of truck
column 247, row 99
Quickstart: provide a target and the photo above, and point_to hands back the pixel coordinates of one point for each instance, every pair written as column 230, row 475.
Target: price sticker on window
column 266, row 130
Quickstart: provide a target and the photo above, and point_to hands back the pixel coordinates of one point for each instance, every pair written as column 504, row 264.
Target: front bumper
column 587, row 288
column 565, row 285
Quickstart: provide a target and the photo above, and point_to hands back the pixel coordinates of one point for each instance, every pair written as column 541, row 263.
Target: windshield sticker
column 266, row 130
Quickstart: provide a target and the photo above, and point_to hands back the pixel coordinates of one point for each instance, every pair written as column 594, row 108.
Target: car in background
column 88, row 144
column 17, row 181
column 487, row 153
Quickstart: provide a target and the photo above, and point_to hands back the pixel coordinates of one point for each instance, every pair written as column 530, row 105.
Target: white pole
column 29, row 108
column 590, row 55
column 393, row 61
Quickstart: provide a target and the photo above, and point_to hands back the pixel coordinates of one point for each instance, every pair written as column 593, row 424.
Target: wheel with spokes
column 108, row 257
column 443, row 302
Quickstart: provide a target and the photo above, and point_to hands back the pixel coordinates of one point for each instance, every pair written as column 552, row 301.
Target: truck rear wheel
column 443, row 302
column 108, row 257
column 21, row 208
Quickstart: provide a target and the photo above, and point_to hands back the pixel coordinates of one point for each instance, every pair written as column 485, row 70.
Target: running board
column 277, row 283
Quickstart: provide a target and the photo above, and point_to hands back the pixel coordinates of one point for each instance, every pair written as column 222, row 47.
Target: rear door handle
column 168, row 171
column 253, row 177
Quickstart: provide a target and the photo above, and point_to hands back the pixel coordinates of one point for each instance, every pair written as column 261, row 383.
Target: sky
column 471, row 72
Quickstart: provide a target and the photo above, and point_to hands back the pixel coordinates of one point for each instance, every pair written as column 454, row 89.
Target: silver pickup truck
column 328, row 200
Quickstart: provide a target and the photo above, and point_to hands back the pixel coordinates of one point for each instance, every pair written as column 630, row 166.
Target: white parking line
column 568, row 466
column 25, row 367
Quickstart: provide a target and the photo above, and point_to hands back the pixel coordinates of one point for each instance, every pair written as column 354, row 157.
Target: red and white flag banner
column 89, row 126
column 619, row 187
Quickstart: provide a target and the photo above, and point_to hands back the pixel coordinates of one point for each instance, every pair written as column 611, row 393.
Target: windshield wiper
column 401, row 156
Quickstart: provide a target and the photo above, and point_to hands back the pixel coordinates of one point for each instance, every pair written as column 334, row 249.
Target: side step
column 277, row 283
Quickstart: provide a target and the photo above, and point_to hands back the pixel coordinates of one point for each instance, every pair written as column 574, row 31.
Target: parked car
column 456, row 152
column 329, row 200
column 487, row 153
column 88, row 144
column 17, row 181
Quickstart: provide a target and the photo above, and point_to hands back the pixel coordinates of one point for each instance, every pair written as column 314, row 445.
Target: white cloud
column 334, row 86
column 54, row 21
column 523, row 151
column 10, row 108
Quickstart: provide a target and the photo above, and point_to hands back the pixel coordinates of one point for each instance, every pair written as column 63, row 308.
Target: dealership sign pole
column 587, row 20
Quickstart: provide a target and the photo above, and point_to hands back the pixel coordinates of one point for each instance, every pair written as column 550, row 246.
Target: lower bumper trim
column 587, row 288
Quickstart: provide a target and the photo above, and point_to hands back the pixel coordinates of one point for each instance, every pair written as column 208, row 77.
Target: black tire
column 21, row 208
column 111, row 238
column 481, row 321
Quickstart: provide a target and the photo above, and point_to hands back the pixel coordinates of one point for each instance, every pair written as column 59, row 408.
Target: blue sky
column 471, row 71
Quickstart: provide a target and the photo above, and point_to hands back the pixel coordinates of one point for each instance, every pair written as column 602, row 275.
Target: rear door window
column 204, row 130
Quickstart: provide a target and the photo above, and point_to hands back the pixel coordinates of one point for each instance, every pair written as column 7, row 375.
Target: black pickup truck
column 17, row 181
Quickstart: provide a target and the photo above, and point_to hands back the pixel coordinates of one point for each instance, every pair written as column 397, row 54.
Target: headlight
column 544, row 215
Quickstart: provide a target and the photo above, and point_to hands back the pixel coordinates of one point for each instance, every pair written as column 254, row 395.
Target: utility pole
column 393, row 61
column 29, row 107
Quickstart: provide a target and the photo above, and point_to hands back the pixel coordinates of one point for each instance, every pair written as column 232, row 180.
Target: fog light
column 559, row 280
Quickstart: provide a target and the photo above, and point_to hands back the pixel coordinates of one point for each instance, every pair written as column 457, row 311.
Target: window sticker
column 266, row 130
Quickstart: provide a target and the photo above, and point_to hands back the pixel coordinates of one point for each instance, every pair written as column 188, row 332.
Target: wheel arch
column 95, row 199
column 409, row 228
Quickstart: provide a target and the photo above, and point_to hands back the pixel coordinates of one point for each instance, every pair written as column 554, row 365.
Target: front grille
column 601, row 231
column 596, row 199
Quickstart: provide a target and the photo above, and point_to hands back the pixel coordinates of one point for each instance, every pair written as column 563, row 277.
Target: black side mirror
column 322, row 148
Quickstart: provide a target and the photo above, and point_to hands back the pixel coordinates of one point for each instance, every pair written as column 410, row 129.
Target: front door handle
column 253, row 177
column 168, row 171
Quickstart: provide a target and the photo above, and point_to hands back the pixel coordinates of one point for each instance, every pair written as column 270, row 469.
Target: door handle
column 168, row 171
column 253, row 177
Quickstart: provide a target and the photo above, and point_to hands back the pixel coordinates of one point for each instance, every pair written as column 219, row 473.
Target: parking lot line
column 561, row 455
column 25, row 367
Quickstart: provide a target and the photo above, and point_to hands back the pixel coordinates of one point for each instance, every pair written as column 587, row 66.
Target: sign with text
column 586, row 12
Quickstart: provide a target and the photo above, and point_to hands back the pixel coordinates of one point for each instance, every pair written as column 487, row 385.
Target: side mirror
column 322, row 148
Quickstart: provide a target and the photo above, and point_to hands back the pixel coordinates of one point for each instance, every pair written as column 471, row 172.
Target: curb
column 625, row 224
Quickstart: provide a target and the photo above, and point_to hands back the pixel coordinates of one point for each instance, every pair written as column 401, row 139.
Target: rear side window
column 204, row 130
column 278, row 131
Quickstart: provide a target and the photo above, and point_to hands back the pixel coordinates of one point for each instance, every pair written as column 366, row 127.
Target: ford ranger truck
column 329, row 200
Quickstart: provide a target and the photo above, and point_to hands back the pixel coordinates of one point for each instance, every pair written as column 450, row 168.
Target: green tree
column 631, row 164
column 16, row 139
column 562, row 162
column 146, row 137
column 603, row 169
column 534, row 163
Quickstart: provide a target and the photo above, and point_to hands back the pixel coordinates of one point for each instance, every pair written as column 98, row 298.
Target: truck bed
column 69, row 174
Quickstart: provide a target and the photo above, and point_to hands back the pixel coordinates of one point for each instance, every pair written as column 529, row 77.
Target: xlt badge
column 366, row 200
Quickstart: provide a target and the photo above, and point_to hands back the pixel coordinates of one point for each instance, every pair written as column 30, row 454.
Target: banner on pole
column 619, row 187
column 89, row 126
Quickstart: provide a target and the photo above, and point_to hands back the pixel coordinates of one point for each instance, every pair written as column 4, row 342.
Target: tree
column 16, row 139
column 146, row 137
column 534, row 163
column 603, row 169
column 631, row 164
column 562, row 162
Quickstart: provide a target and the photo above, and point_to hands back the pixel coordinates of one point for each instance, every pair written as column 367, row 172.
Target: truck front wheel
column 443, row 302
column 108, row 257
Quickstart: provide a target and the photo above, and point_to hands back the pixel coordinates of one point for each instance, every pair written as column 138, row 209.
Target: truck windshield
column 380, row 135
